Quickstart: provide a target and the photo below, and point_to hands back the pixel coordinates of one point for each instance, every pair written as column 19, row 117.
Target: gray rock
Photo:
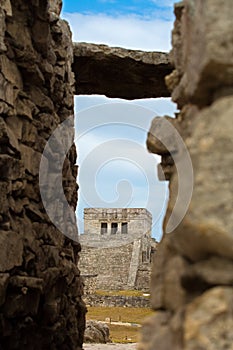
column 96, row 332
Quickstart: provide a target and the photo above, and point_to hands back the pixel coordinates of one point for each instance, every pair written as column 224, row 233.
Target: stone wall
column 116, row 301
column 40, row 284
column 192, row 281
column 110, row 264
column 117, row 267
column 138, row 220
column 121, row 260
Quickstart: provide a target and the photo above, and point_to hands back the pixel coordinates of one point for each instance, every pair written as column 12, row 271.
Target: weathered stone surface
column 168, row 269
column 96, row 332
column 2, row 31
column 208, row 321
column 204, row 33
column 11, row 247
column 4, row 278
column 157, row 333
column 120, row 257
column 116, row 301
column 40, row 284
column 212, row 271
column 207, row 229
column 117, row 72
column 11, row 72
column 193, row 264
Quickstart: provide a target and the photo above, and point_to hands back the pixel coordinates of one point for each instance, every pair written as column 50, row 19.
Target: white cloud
column 125, row 31
column 165, row 3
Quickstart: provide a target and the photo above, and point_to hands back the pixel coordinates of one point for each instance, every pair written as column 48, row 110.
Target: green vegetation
column 123, row 334
column 119, row 314
column 127, row 293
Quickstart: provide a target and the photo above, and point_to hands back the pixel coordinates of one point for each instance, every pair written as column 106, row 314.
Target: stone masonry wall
column 110, row 264
column 117, row 264
column 192, row 280
column 116, row 301
column 40, row 284
column 139, row 220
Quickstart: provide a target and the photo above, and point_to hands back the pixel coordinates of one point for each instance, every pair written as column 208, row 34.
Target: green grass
column 122, row 314
column 120, row 333
column 127, row 293
column 123, row 334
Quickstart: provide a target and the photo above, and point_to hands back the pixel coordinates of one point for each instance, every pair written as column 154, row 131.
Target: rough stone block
column 157, row 334
column 208, row 321
column 31, row 159
column 168, row 269
column 207, row 227
column 11, row 72
column 117, row 72
column 203, row 51
column 11, row 247
column 10, row 168
column 4, row 278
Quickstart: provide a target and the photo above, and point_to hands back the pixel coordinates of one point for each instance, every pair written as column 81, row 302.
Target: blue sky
column 115, row 168
column 146, row 9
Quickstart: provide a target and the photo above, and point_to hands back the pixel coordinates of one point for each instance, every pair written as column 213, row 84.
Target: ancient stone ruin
column 41, row 290
column 192, row 278
column 117, row 247
column 40, row 284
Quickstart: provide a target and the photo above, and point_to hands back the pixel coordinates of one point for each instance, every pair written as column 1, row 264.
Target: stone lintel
column 120, row 73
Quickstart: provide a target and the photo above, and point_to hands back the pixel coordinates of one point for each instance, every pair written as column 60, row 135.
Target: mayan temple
column 191, row 284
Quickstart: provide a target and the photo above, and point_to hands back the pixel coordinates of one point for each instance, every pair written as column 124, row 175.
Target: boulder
column 96, row 332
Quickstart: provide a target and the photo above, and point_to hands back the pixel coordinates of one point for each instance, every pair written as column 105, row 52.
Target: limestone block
column 7, row 92
column 31, row 159
column 3, row 47
column 4, row 278
column 8, row 137
column 207, row 227
column 26, row 281
column 34, row 213
column 168, row 268
column 15, row 124
column 208, row 321
column 11, row 248
column 11, row 72
column 25, row 108
column 157, row 334
column 205, row 57
column 213, row 271
column 158, row 131
column 29, row 133
column 10, row 168
column 43, row 102
column 117, row 72
column 49, row 234
column 21, row 304
column 4, row 190
column 6, row 6
column 22, row 40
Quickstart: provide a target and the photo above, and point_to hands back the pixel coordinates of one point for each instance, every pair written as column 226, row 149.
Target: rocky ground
column 110, row 346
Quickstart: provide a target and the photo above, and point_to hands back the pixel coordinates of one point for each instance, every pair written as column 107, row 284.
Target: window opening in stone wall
column 144, row 259
column 104, row 228
column 124, row 227
column 148, row 253
column 114, row 227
